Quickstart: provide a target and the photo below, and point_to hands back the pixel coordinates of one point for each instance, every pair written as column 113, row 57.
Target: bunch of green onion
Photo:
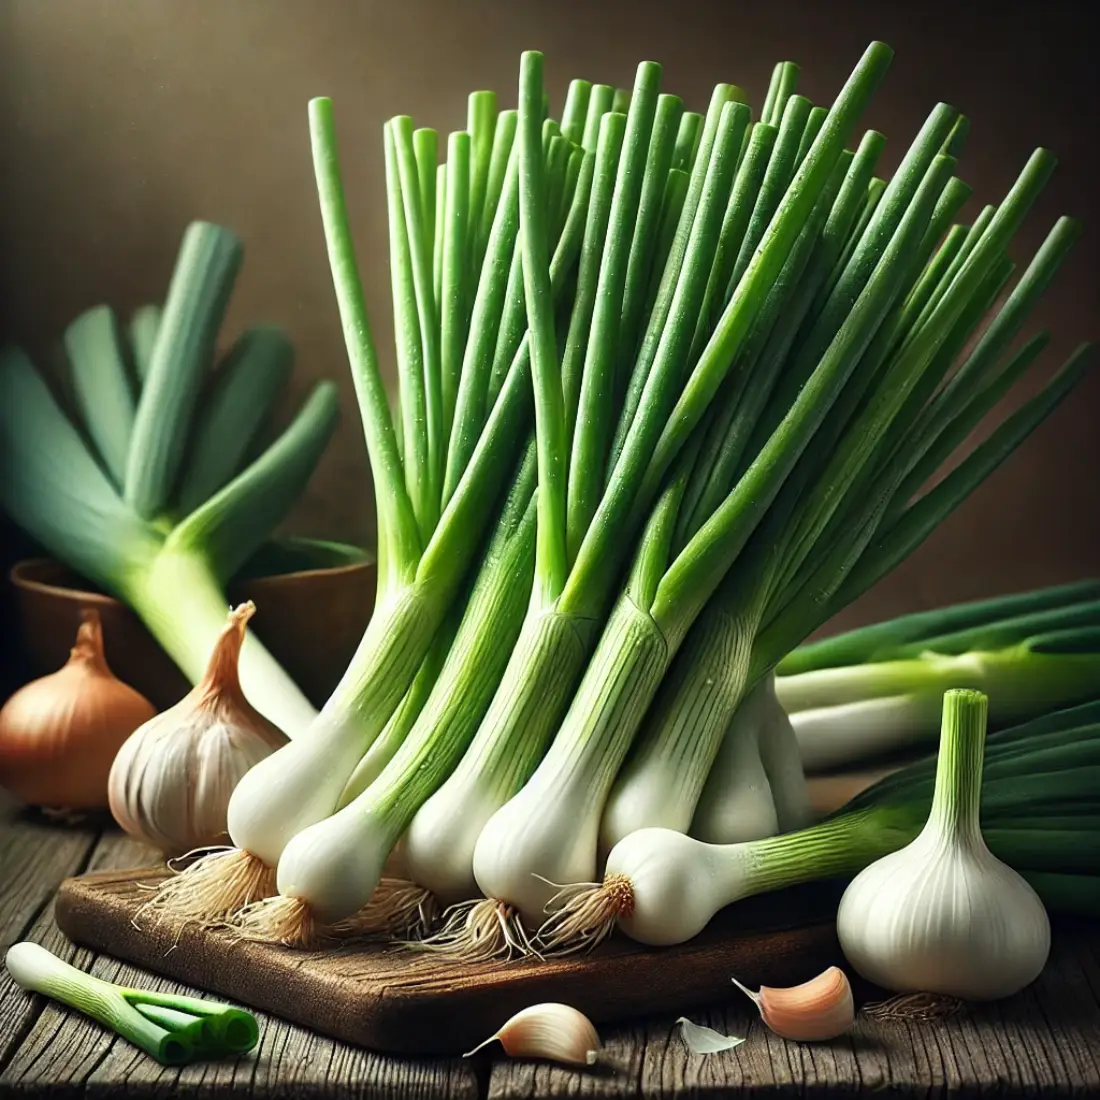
column 150, row 485
column 671, row 386
column 1038, row 810
column 871, row 691
column 174, row 1029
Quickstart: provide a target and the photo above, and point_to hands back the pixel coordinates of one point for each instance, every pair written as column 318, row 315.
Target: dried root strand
column 397, row 909
column 282, row 920
column 482, row 930
column 212, row 889
column 914, row 1006
column 583, row 915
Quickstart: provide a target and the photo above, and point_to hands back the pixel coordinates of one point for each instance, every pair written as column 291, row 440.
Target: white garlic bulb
column 943, row 915
column 171, row 780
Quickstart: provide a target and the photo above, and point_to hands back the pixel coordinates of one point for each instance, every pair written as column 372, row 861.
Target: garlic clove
column 552, row 1031
column 819, row 1009
column 705, row 1040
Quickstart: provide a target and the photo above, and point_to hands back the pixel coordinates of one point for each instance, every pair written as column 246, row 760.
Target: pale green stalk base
column 534, row 691
column 183, row 605
column 844, row 715
column 1011, row 677
column 550, row 828
column 661, row 782
column 782, row 760
column 175, row 1030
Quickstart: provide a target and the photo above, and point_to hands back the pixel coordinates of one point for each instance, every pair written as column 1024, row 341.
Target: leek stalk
column 116, row 509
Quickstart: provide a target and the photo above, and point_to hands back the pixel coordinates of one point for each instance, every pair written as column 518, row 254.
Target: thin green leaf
column 55, row 490
column 102, row 389
column 550, row 431
column 399, row 547
column 229, row 527
column 202, row 281
column 245, row 388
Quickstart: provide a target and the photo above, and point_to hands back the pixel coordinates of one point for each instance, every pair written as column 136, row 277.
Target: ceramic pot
column 313, row 601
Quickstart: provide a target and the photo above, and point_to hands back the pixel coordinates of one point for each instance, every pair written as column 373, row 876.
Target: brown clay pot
column 313, row 600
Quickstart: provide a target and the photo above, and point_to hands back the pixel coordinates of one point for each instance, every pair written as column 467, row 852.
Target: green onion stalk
column 1038, row 814
column 148, row 485
column 693, row 765
column 351, row 847
column 876, row 689
column 754, row 576
column 174, row 1029
column 528, row 841
column 442, row 474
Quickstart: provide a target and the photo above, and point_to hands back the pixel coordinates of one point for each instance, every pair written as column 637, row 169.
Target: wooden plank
column 389, row 999
column 1044, row 1042
column 34, row 858
column 65, row 1054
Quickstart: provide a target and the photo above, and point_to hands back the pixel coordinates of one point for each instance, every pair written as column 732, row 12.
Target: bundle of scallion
column 149, row 488
column 1039, row 813
column 876, row 689
column 747, row 354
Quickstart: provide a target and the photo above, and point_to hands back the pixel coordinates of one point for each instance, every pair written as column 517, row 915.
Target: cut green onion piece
column 166, row 1027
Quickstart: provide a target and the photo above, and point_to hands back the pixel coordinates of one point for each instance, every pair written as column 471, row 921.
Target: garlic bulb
column 171, row 781
column 59, row 734
column 555, row 1032
column 819, row 1009
column 942, row 915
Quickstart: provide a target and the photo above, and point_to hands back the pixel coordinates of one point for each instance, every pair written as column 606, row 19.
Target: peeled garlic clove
column 555, row 1032
column 821, row 1008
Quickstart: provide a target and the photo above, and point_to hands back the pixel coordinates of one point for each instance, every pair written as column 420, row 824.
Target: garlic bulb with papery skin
column 943, row 915
column 171, row 781
column 59, row 734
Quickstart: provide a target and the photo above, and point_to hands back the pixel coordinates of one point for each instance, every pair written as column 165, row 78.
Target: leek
column 116, row 508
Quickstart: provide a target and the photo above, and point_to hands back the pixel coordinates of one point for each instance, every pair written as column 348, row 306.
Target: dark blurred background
column 121, row 120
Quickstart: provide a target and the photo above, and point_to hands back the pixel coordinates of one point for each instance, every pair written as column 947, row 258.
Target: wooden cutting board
column 391, row 999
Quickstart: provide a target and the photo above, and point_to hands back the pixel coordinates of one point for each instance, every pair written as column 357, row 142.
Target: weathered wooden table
column 1045, row 1042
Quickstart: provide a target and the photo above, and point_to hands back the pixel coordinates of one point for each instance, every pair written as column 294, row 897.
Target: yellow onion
column 171, row 781
column 59, row 734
